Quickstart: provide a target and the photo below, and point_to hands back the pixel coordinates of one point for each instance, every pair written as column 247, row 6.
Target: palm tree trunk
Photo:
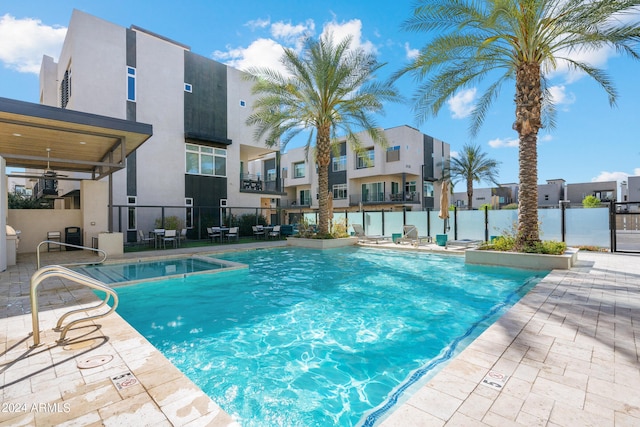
column 528, row 122
column 469, row 193
column 323, row 158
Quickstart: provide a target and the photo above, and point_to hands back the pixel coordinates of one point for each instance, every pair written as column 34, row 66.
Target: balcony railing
column 254, row 184
column 412, row 197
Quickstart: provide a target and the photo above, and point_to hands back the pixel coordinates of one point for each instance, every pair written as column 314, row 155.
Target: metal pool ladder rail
column 63, row 272
column 69, row 245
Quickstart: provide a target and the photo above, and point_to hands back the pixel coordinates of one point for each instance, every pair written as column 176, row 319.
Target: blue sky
column 591, row 142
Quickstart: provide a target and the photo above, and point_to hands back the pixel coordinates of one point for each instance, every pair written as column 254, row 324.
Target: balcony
column 250, row 183
column 385, row 198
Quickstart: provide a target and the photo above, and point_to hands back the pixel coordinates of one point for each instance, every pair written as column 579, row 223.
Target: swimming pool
column 314, row 338
column 140, row 270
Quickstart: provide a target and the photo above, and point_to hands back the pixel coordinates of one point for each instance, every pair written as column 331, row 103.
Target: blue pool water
column 319, row 338
column 145, row 270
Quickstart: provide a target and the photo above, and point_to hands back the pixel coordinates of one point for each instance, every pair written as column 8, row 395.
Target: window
column 243, row 103
column 427, row 189
column 339, row 191
column 393, row 154
column 298, row 170
column 546, row 197
column 203, row 160
column 188, row 202
column 603, row 196
column 339, row 164
column 271, row 175
column 131, row 213
column 131, row 84
column 305, row 197
column 373, row 192
column 188, row 87
column 366, row 159
column 65, row 89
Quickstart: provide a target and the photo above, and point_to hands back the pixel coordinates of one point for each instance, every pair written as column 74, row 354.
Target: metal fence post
column 486, row 223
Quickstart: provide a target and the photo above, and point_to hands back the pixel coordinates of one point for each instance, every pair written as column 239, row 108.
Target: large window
column 373, row 192
column 339, row 164
column 340, row 191
column 131, row 84
column 203, row 160
column 427, row 189
column 305, row 197
column 366, row 159
column 298, row 170
column 188, row 202
column 65, row 89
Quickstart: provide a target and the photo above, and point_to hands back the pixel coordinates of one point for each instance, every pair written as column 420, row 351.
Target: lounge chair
column 410, row 235
column 363, row 238
column 182, row 236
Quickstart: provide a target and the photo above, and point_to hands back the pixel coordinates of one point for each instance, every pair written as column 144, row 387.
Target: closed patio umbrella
column 444, row 204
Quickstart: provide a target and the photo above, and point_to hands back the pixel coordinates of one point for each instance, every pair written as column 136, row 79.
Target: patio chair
column 233, row 233
column 214, row 233
column 142, row 239
column 54, row 236
column 170, row 236
column 183, row 236
column 363, row 238
column 275, row 232
column 410, row 235
column 258, row 231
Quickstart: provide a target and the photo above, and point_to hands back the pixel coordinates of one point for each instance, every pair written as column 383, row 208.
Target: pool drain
column 94, row 361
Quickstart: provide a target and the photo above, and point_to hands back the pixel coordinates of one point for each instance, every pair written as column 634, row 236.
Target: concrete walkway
column 565, row 355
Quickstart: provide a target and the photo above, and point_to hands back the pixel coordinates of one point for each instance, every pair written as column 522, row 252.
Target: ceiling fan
column 48, row 172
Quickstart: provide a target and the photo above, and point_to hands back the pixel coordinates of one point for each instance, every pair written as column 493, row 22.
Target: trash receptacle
column 441, row 239
column 73, row 236
column 395, row 237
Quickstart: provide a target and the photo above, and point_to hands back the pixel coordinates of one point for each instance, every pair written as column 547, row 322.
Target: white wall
column 34, row 224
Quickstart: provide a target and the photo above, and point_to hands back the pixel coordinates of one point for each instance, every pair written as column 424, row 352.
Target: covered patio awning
column 33, row 136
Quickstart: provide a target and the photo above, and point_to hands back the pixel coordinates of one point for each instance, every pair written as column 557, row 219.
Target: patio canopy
column 35, row 136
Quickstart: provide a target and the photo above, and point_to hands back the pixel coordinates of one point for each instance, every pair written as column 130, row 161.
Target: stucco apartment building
column 202, row 156
column 401, row 175
column 200, row 149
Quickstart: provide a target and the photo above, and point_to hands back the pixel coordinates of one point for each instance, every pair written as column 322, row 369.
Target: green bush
column 170, row 223
column 591, row 202
column 246, row 221
column 507, row 243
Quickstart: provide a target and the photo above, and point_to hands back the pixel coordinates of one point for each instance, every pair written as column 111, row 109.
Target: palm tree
column 521, row 40
column 472, row 166
column 329, row 88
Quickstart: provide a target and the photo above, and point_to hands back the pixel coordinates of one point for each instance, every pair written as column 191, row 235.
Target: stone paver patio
column 568, row 349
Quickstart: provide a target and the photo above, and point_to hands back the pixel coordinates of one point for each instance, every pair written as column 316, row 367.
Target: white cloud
column 455, row 154
column 636, row 172
column 500, row 143
column 462, row 103
column 260, row 53
column 595, row 58
column 611, row 176
column 351, row 28
column 286, row 31
column 267, row 51
column 545, row 138
column 24, row 41
column 411, row 53
column 257, row 24
column 559, row 95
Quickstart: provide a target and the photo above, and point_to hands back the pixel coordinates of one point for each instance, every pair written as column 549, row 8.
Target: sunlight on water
column 316, row 338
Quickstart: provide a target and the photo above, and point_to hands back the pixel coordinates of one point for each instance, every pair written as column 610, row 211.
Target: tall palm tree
column 328, row 88
column 521, row 40
column 472, row 166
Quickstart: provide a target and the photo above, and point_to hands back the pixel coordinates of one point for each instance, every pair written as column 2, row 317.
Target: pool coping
column 569, row 350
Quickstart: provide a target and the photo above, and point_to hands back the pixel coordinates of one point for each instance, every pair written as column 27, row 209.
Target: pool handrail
column 104, row 254
column 59, row 271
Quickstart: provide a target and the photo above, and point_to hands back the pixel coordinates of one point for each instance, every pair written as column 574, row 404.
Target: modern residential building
column 401, row 175
column 496, row 197
column 633, row 189
column 201, row 149
column 551, row 193
column 606, row 191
